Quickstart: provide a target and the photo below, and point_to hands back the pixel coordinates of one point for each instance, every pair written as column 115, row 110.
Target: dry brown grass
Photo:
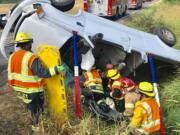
column 14, row 119
column 77, row 7
column 4, row 8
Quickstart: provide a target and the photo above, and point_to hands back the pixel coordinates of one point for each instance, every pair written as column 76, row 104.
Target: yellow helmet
column 146, row 88
column 23, row 37
column 113, row 74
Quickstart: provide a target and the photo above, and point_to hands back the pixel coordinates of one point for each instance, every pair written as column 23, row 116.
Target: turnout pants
column 120, row 104
column 36, row 106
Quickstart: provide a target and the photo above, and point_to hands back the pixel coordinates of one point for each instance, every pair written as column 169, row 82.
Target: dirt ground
column 77, row 7
column 14, row 118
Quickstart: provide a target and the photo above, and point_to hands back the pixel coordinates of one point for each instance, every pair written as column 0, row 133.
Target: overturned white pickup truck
column 112, row 42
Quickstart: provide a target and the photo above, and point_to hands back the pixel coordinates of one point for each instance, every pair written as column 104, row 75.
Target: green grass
column 167, row 14
column 171, row 1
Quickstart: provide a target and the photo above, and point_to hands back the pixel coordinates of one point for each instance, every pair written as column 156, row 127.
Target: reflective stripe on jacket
column 20, row 76
column 116, row 84
column 146, row 115
column 92, row 78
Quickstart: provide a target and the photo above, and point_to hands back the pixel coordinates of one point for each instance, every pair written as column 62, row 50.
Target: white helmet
column 88, row 61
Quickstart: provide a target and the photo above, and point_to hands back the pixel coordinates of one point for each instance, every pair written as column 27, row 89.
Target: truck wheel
column 117, row 13
column 140, row 6
column 63, row 5
column 124, row 13
column 166, row 35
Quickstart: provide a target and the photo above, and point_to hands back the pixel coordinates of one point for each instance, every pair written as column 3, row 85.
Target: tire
column 166, row 35
column 141, row 5
column 124, row 13
column 117, row 13
column 64, row 5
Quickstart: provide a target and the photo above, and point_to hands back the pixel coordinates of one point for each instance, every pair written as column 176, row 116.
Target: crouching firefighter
column 131, row 96
column 114, row 88
column 92, row 82
column 146, row 118
column 25, row 73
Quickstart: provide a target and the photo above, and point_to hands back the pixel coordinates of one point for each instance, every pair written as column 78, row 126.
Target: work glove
column 116, row 93
column 60, row 68
column 56, row 70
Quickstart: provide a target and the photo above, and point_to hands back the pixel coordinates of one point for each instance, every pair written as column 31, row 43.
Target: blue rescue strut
column 76, row 77
column 153, row 74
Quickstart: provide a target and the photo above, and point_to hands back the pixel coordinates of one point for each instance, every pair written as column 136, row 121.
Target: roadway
column 131, row 12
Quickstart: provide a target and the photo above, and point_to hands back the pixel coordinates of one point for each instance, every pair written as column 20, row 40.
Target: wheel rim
column 167, row 34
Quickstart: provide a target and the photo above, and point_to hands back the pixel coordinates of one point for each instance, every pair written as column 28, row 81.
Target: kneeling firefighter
column 92, row 81
column 131, row 96
column 114, row 88
column 146, row 118
column 25, row 73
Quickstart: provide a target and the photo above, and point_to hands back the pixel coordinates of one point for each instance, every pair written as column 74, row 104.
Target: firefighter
column 131, row 96
column 25, row 75
column 109, row 66
column 114, row 88
column 146, row 118
column 92, row 82
column 93, row 88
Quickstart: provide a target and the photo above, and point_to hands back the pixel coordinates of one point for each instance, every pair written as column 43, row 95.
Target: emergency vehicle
column 106, row 7
column 135, row 4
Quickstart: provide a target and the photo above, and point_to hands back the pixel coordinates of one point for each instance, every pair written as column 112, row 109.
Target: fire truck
column 135, row 4
column 106, row 7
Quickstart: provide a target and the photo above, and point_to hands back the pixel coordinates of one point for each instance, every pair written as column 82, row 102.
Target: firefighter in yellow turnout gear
column 146, row 118
column 25, row 75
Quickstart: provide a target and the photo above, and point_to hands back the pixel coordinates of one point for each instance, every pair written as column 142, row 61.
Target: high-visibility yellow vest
column 20, row 76
column 93, row 79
